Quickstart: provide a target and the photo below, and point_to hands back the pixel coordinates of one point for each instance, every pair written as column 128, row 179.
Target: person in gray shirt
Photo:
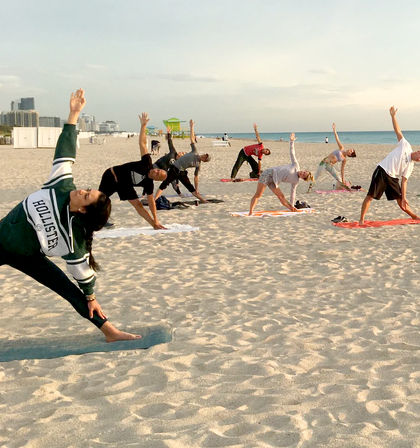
column 271, row 177
column 178, row 169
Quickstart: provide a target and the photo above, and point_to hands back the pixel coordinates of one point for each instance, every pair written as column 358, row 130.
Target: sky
column 286, row 65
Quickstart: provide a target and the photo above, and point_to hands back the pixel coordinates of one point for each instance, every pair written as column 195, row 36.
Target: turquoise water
column 375, row 137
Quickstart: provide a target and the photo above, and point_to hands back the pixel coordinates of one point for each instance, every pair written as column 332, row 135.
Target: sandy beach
column 287, row 332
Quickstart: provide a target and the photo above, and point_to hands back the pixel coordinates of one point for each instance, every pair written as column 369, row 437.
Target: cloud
column 323, row 71
column 179, row 77
column 97, row 66
column 9, row 81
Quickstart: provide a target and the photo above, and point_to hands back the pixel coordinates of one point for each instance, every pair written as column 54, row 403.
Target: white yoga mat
column 121, row 232
column 274, row 213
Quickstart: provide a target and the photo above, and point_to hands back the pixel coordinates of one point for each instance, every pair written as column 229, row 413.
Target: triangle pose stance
column 165, row 162
column 385, row 179
column 246, row 153
column 327, row 164
column 271, row 177
column 122, row 179
column 59, row 221
column 178, row 169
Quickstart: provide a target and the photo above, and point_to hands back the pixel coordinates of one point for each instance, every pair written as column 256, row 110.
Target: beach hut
column 176, row 128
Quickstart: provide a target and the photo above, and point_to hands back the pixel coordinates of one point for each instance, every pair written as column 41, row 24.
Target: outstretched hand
column 333, row 127
column 393, row 111
column 77, row 100
column 292, row 137
column 191, row 123
column 255, row 126
column 144, row 118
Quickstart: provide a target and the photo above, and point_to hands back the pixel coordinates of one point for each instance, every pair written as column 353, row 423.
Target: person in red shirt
column 246, row 153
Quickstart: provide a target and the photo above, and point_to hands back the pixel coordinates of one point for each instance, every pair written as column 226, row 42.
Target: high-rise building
column 22, row 118
column 23, row 104
column 27, row 104
column 87, row 123
column 109, row 126
column 50, row 122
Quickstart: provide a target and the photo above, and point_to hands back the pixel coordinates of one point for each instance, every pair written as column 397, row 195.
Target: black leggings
column 242, row 157
column 48, row 274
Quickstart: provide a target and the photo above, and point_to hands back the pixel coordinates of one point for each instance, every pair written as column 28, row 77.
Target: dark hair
column 352, row 155
column 269, row 152
column 96, row 216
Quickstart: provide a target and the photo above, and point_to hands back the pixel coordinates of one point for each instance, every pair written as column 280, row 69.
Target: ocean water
column 375, row 137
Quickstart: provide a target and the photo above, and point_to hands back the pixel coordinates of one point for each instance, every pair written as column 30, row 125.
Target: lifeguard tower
column 177, row 129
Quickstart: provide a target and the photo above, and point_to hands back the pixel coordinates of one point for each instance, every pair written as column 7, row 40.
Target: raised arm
column 192, row 133
column 396, row 126
column 257, row 134
column 340, row 145
column 171, row 146
column 77, row 103
column 293, row 158
column 65, row 150
column 144, row 119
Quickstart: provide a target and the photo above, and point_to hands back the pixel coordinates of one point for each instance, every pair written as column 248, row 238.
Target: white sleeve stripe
column 58, row 179
column 79, row 260
column 85, row 280
column 64, row 159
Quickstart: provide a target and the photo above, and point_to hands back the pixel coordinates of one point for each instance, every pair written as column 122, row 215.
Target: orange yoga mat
column 393, row 222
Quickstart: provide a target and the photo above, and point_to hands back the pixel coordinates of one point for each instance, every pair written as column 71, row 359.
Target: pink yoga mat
column 394, row 222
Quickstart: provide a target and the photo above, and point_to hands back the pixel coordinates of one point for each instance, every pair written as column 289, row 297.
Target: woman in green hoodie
column 59, row 220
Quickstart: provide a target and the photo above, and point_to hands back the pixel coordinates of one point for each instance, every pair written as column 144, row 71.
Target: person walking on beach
column 398, row 163
column 178, row 169
column 59, row 220
column 246, row 153
column 327, row 164
column 123, row 178
column 271, row 177
column 166, row 161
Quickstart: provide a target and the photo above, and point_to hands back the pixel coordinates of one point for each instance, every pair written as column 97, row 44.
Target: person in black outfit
column 123, row 178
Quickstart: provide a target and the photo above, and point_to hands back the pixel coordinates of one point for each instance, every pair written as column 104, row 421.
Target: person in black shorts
column 178, row 169
column 123, row 178
column 385, row 179
column 166, row 161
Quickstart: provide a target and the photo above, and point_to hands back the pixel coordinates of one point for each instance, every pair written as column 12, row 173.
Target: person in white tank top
column 399, row 163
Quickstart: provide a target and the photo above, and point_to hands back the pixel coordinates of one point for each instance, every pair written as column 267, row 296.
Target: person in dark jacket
column 59, row 221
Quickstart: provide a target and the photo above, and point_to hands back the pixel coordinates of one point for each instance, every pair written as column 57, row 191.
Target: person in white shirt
column 385, row 179
column 271, row 177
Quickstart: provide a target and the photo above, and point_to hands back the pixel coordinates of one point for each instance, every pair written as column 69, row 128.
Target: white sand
column 288, row 332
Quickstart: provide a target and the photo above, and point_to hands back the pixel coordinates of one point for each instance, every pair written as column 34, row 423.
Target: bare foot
column 122, row 336
column 112, row 334
column 361, row 223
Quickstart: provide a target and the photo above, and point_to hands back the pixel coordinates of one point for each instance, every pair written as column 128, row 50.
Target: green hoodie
column 43, row 223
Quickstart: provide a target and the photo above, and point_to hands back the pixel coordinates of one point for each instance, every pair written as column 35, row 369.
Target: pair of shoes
column 356, row 187
column 302, row 204
column 340, row 219
column 109, row 224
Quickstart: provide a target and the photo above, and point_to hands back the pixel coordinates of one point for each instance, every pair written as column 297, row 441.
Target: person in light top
column 399, row 163
column 245, row 155
column 327, row 164
column 59, row 221
column 271, row 177
column 178, row 169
